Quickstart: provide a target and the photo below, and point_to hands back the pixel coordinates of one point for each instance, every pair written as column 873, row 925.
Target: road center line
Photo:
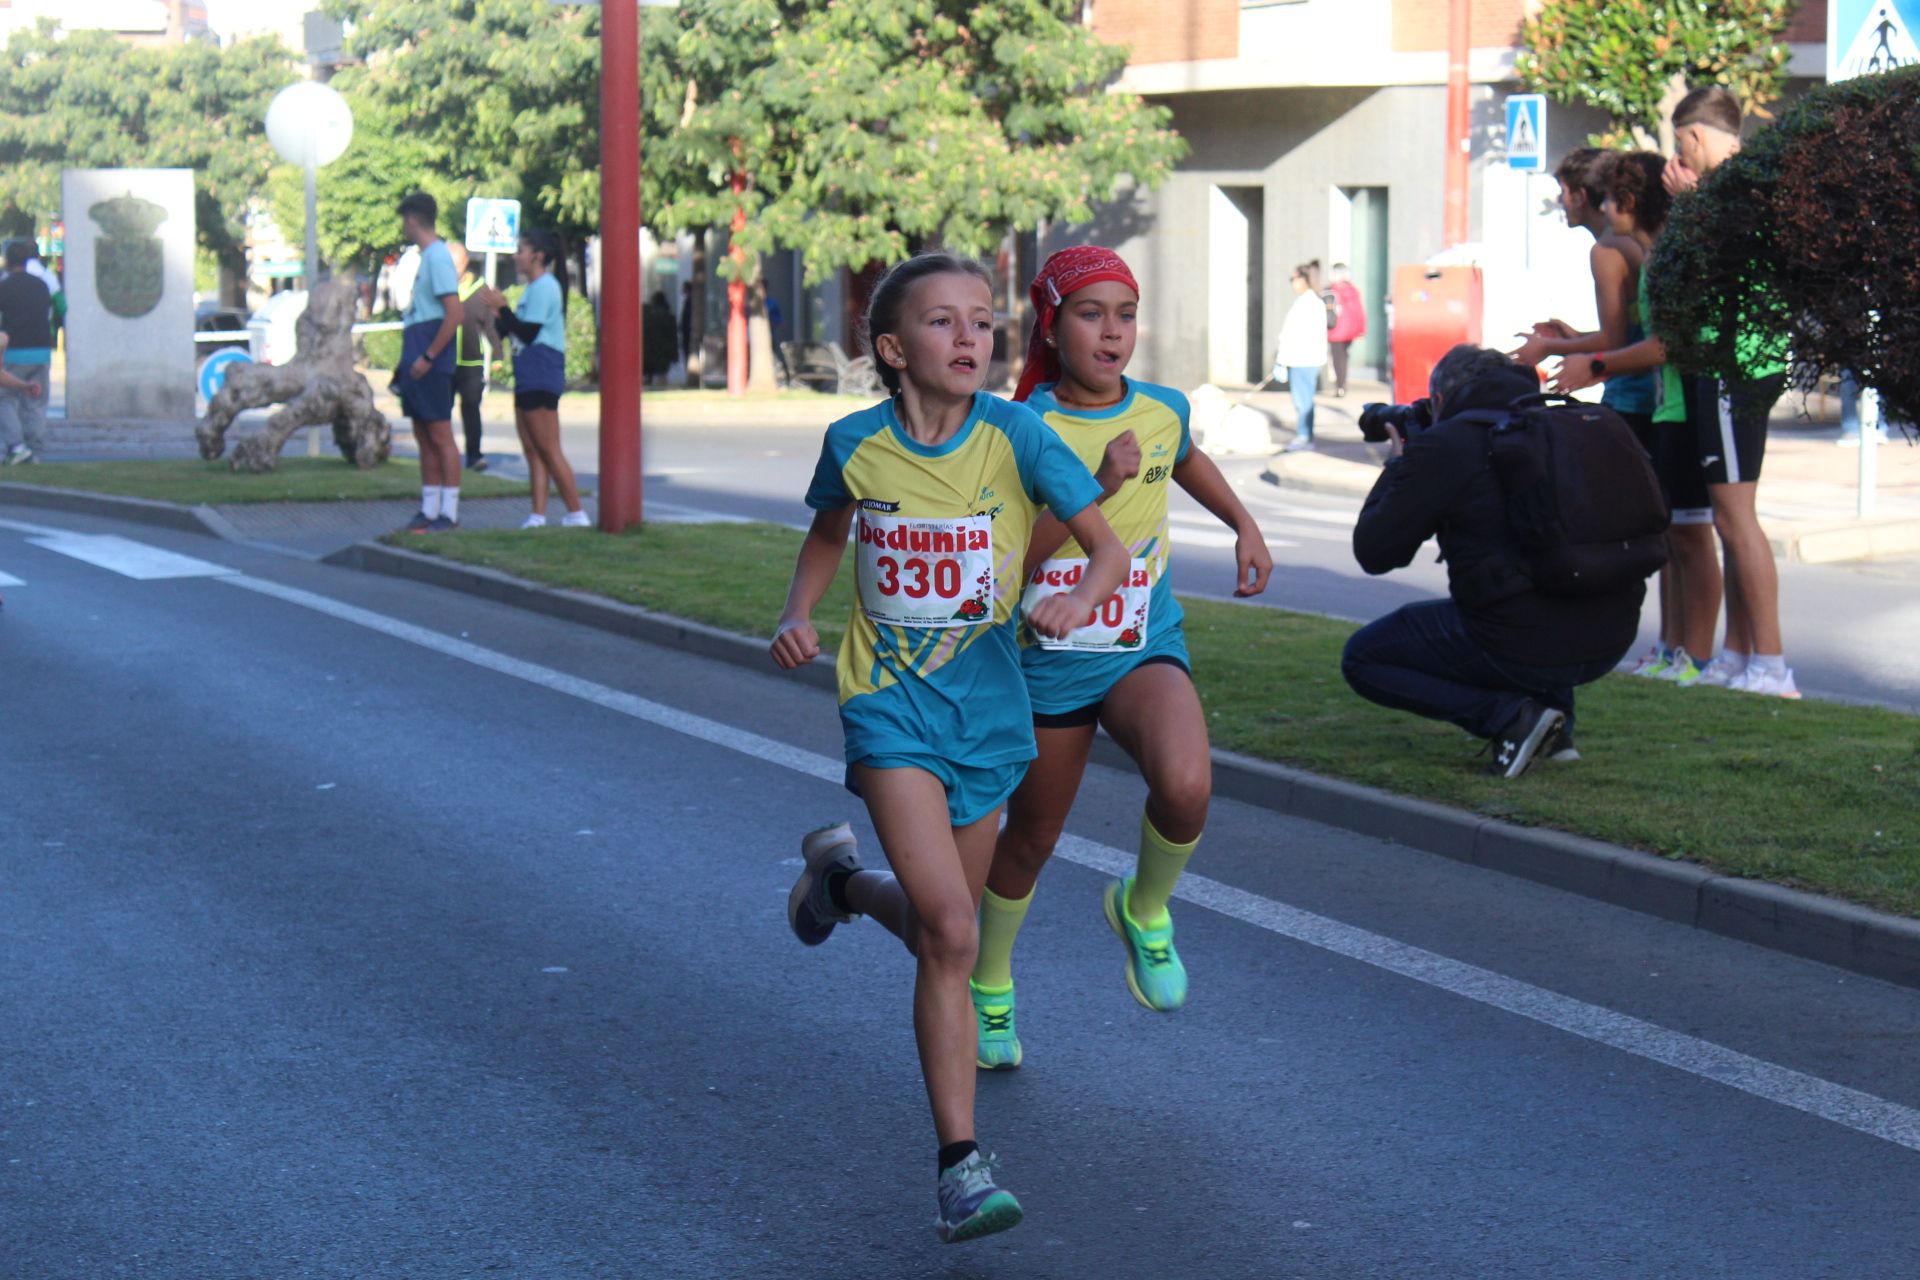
column 1849, row 1108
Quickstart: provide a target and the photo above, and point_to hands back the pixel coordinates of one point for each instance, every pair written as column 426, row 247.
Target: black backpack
column 1583, row 501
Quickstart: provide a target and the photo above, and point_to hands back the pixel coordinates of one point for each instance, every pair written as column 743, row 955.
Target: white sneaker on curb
column 1645, row 662
column 534, row 522
column 1766, row 683
column 576, row 520
column 1720, row 673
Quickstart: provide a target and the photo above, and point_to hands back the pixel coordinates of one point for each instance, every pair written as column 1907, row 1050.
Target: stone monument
column 129, row 284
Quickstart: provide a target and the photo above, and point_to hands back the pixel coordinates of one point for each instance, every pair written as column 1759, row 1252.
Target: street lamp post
column 310, row 125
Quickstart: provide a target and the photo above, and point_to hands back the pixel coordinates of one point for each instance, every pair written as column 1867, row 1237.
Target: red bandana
column 1062, row 274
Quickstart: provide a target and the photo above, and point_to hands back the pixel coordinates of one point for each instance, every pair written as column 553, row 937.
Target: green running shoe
column 971, row 1205
column 1154, row 973
column 999, row 1047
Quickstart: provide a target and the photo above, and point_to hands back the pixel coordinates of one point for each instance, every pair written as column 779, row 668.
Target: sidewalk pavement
column 1808, row 488
column 1807, row 495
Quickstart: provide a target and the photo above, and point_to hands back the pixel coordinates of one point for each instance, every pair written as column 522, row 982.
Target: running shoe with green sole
column 971, row 1205
column 999, row 1048
column 1154, row 973
column 810, row 909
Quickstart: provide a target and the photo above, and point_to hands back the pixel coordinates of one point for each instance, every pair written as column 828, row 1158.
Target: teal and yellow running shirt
column 1143, row 619
column 930, row 664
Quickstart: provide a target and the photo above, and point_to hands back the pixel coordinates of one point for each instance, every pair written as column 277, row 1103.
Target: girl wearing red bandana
column 1127, row 669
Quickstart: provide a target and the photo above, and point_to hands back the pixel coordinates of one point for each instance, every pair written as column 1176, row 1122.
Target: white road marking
column 21, row 526
column 674, row 513
column 1849, row 1108
column 128, row 558
column 1184, row 535
column 8, row 580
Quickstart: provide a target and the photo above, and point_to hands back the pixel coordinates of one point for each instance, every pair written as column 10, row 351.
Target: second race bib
column 1118, row 625
column 925, row 573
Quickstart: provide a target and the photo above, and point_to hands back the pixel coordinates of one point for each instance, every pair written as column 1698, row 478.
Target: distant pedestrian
column 1349, row 323
column 424, row 380
column 659, row 344
column 474, row 345
column 26, row 322
column 538, row 327
column 1303, row 351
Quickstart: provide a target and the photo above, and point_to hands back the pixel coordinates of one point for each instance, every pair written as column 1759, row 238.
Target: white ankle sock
column 1734, row 659
column 430, row 500
column 450, row 503
column 1768, row 664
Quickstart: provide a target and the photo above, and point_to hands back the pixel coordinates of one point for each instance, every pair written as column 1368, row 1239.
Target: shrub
column 1809, row 233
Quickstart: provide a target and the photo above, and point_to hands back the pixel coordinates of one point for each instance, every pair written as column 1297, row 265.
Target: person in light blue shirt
column 424, row 380
column 538, row 328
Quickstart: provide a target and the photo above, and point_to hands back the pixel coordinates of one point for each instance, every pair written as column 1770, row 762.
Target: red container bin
column 1434, row 310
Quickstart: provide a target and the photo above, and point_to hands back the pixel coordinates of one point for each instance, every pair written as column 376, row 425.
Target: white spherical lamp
column 309, row 123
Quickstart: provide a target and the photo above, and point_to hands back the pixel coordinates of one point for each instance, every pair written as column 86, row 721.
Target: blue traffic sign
column 493, row 226
column 1866, row 37
column 214, row 370
column 1527, row 132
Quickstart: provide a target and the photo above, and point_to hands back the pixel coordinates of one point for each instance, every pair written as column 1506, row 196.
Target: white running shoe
column 1720, row 673
column 534, row 522
column 1766, row 683
column 1646, row 662
column 576, row 520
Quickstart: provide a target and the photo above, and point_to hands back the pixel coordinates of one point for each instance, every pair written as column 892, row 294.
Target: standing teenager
column 1732, row 432
column 1128, row 670
column 538, row 327
column 424, row 380
column 940, row 485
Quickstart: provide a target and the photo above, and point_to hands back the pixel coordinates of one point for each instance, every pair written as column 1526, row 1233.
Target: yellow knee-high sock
column 1159, row 868
column 1000, row 921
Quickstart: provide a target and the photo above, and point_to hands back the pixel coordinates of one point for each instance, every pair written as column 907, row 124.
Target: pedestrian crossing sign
column 493, row 226
column 1866, row 37
column 1527, row 132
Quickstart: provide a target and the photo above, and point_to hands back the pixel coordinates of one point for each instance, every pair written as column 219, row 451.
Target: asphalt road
column 1848, row 628
column 353, row 928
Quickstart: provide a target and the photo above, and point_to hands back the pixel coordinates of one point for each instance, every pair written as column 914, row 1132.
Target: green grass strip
column 194, row 481
column 1818, row 795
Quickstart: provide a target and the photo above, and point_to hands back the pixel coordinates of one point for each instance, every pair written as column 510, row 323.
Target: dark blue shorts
column 428, row 399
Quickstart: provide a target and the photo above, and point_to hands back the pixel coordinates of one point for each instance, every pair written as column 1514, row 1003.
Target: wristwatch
column 1599, row 367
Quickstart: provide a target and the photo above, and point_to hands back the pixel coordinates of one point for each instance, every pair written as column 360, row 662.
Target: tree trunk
column 737, row 296
column 761, row 366
column 697, row 331
column 1676, row 90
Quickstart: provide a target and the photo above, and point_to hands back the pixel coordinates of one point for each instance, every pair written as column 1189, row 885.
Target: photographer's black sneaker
column 1515, row 746
column 1559, row 746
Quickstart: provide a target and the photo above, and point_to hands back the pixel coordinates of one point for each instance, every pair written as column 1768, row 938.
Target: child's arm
column 1576, row 373
column 796, row 642
column 1121, row 464
column 1200, row 476
column 1107, row 564
column 12, row 383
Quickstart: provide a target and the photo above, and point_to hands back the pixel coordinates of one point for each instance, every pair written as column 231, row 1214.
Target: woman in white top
column 1303, row 350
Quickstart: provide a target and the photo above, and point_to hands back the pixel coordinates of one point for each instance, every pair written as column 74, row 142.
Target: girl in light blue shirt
column 538, row 328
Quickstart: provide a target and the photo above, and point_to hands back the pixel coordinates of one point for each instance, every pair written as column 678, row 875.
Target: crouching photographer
column 1549, row 519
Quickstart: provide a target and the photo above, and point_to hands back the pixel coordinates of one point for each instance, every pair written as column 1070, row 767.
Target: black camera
column 1403, row 418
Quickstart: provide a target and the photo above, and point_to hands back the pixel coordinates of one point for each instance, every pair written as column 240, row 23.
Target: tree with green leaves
column 492, row 97
column 1633, row 59
column 84, row 100
column 858, row 130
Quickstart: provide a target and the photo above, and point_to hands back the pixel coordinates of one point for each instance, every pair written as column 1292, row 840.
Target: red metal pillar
column 737, row 294
column 1459, row 47
column 620, row 342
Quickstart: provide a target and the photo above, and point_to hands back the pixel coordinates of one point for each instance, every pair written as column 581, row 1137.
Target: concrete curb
column 162, row 515
column 1865, row 941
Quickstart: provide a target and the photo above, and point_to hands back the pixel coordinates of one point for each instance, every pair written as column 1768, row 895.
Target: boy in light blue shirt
column 424, row 380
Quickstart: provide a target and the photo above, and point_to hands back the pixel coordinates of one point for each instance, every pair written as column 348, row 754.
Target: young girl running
column 538, row 327
column 940, row 485
column 1128, row 669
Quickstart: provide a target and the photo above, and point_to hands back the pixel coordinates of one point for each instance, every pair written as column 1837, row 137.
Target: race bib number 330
column 1118, row 625
column 923, row 572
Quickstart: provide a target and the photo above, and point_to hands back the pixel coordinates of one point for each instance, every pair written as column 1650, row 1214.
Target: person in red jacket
column 1349, row 323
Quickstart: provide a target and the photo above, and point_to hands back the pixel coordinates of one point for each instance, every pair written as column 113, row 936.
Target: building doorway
column 1236, row 292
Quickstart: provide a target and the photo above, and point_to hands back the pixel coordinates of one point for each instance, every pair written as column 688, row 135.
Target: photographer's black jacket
column 1444, row 485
